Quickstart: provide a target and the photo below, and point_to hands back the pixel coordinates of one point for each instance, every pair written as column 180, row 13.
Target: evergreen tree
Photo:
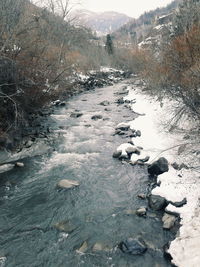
column 109, row 45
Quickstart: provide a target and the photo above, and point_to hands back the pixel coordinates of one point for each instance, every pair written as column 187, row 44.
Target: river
column 98, row 211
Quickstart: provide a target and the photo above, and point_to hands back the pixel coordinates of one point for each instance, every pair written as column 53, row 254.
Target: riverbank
column 181, row 148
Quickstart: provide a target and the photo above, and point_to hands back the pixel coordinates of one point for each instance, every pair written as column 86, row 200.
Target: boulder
column 133, row 246
column 168, row 221
column 67, row 184
column 96, row 117
column 157, row 202
column 158, row 167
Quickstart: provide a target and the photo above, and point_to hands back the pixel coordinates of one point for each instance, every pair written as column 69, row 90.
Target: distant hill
column 103, row 23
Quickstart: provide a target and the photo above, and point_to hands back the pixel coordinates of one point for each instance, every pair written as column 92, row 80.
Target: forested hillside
column 168, row 56
column 39, row 51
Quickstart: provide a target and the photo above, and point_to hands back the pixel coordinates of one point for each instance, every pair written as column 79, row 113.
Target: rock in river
column 168, row 221
column 157, row 202
column 19, row 164
column 76, row 114
column 65, row 226
column 123, row 126
column 67, row 184
column 96, row 117
column 158, row 167
column 133, row 246
column 141, row 211
column 83, row 248
column 105, row 103
column 117, row 154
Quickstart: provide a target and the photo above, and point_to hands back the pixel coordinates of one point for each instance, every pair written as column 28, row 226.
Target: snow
column 175, row 185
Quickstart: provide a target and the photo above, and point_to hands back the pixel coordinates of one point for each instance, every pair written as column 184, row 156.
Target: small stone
column 141, row 211
column 104, row 103
column 19, row 164
column 76, row 114
column 96, row 117
column 121, row 133
column 175, row 166
column 123, row 126
column 168, row 221
column 138, row 133
column 62, row 104
column 67, row 184
column 142, row 196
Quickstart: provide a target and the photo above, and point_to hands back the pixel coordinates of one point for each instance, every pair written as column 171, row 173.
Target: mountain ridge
column 101, row 22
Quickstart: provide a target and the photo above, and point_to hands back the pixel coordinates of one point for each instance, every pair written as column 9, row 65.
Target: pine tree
column 109, row 45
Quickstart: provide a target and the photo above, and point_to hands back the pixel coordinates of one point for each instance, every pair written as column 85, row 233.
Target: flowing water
column 95, row 212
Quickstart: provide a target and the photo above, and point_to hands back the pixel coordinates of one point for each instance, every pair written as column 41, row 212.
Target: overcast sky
column 133, row 8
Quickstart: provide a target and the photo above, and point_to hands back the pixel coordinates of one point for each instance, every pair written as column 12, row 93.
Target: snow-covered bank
column 176, row 184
